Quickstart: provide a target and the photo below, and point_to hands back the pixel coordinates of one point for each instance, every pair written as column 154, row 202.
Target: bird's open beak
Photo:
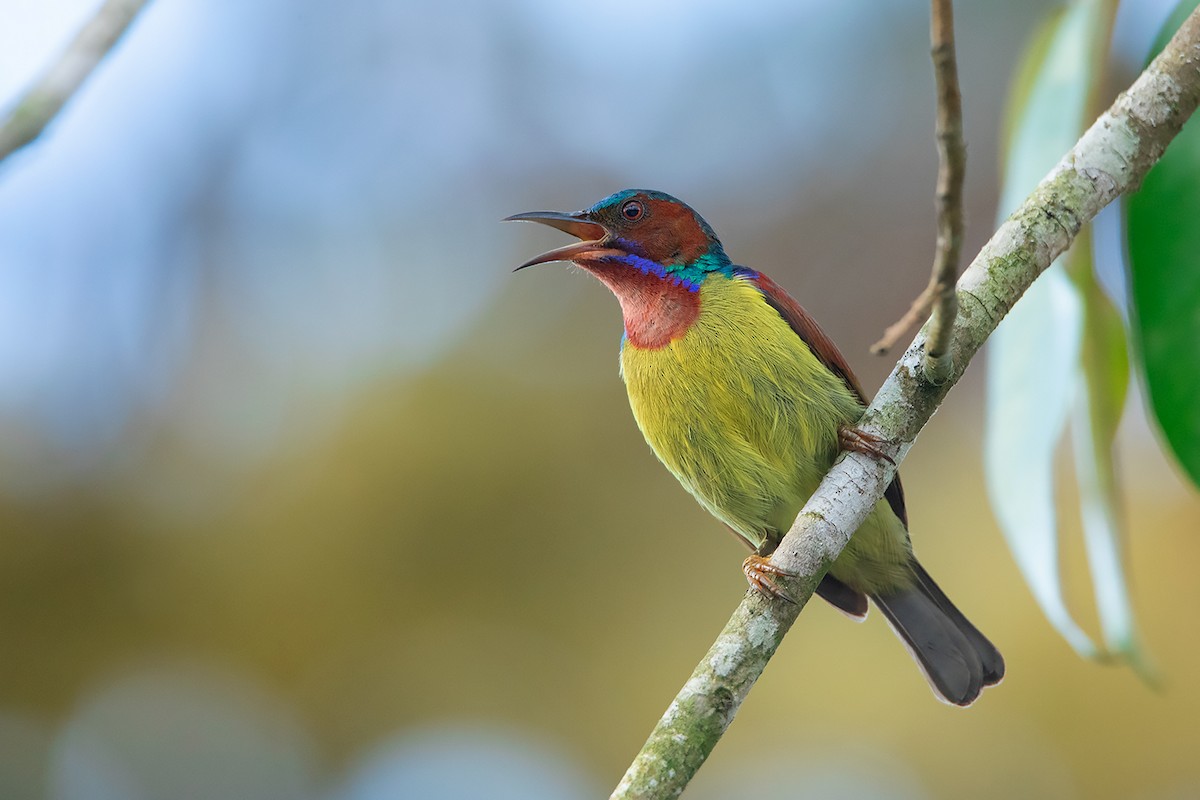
column 594, row 238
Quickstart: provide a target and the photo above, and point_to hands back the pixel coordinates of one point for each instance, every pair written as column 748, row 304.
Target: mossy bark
column 1111, row 158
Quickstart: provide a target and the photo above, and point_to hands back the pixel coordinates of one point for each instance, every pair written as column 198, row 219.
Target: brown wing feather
column 827, row 352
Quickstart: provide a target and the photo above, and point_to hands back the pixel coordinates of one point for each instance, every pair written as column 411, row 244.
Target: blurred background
column 304, row 495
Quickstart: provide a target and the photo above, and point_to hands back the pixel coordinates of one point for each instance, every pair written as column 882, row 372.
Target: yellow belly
column 746, row 417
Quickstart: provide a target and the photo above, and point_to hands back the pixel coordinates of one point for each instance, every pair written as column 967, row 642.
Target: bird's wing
column 827, row 352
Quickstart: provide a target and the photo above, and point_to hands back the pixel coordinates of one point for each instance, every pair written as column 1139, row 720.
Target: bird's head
column 638, row 230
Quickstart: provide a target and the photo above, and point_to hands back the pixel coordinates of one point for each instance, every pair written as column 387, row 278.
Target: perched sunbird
column 747, row 402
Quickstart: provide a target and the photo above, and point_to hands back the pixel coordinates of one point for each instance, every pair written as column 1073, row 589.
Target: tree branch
column 939, row 295
column 1110, row 159
column 41, row 104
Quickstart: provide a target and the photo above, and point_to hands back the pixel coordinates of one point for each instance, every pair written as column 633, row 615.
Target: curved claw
column 759, row 571
column 855, row 440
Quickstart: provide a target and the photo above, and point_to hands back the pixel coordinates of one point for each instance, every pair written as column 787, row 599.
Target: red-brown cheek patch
column 671, row 234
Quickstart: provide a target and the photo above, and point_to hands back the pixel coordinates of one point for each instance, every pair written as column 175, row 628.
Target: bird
column 747, row 402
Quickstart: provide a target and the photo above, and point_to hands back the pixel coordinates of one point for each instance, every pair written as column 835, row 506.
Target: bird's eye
column 632, row 211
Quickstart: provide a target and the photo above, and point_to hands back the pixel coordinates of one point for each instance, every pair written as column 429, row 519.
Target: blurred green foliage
column 457, row 545
column 1164, row 254
column 483, row 543
column 1059, row 361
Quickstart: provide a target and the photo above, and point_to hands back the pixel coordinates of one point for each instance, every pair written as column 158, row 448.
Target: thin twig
column 1111, row 158
column 916, row 314
column 952, row 165
column 939, row 295
column 41, row 104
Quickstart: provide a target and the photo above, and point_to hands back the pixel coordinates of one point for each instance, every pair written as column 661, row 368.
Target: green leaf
column 1035, row 371
column 1031, row 375
column 1048, row 99
column 1028, row 70
column 1103, row 384
column 1163, row 229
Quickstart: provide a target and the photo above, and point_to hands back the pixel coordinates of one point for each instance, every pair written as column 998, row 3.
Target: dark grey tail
column 956, row 658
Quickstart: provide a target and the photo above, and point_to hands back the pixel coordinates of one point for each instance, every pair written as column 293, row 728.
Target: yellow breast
column 739, row 409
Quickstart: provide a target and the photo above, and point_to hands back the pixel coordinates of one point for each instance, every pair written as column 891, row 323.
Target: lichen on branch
column 1110, row 159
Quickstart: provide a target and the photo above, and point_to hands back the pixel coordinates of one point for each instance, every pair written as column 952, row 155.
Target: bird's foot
column 760, row 573
column 856, row 440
